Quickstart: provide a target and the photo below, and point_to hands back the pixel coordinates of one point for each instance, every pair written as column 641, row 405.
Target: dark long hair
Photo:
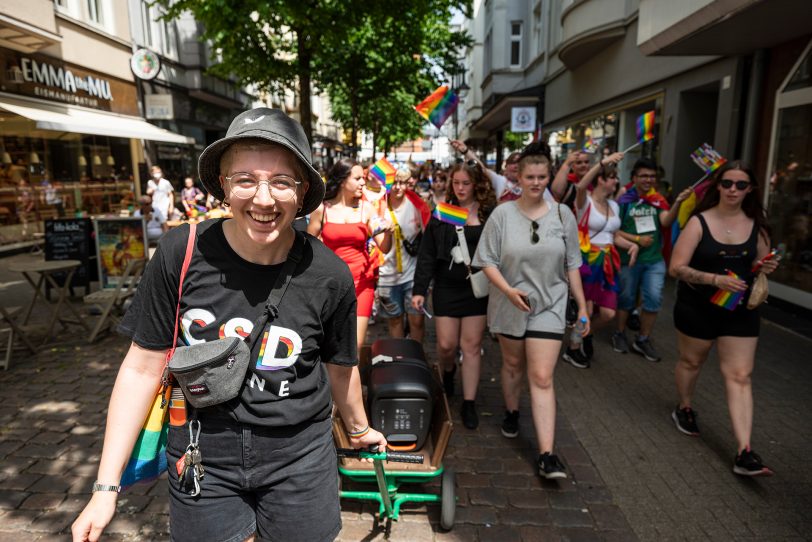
column 752, row 201
column 337, row 175
column 483, row 190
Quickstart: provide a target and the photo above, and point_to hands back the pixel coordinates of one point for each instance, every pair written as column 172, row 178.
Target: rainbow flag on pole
column 725, row 299
column 589, row 147
column 384, row 171
column 451, row 214
column 708, row 159
column 645, row 127
column 439, row 105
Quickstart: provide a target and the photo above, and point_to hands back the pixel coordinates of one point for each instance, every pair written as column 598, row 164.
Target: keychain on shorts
column 192, row 460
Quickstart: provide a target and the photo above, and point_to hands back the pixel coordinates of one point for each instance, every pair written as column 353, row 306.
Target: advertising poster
column 118, row 240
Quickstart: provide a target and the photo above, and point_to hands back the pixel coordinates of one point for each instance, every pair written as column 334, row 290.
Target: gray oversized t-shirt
column 535, row 268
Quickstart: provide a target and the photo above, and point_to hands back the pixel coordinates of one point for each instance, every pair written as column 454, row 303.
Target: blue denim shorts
column 280, row 483
column 393, row 301
column 649, row 279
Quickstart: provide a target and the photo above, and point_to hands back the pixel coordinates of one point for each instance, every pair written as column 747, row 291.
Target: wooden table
column 46, row 271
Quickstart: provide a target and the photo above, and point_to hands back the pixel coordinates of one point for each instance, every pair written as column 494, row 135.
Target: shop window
column 789, row 194
column 515, row 44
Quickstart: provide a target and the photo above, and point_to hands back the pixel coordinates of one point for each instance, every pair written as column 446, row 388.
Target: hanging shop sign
column 145, row 64
column 159, row 106
column 50, row 78
column 523, row 119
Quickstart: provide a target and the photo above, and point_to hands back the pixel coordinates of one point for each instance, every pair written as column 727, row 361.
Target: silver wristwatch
column 104, row 487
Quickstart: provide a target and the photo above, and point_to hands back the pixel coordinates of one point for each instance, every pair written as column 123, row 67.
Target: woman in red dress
column 350, row 227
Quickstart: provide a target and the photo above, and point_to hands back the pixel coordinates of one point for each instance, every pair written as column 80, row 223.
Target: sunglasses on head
column 534, row 236
column 740, row 185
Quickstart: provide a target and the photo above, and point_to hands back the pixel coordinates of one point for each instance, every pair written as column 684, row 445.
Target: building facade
column 71, row 130
column 731, row 73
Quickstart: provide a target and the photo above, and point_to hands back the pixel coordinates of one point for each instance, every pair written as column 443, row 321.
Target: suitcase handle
column 398, row 457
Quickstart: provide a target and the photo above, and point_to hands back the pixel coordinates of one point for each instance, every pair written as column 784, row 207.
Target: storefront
column 70, row 141
column 789, row 198
column 611, row 131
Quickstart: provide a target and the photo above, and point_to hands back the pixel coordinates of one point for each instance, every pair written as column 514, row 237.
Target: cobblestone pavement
column 632, row 475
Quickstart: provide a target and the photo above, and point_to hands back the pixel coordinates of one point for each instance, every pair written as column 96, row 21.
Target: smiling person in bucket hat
column 269, row 458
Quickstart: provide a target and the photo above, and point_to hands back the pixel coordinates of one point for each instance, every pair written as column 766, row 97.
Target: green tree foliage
column 515, row 141
column 374, row 57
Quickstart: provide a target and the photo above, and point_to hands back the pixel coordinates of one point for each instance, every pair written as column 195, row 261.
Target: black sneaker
column 510, row 425
column 448, row 381
column 646, row 349
column 685, row 420
column 550, row 467
column 574, row 357
column 588, row 348
column 620, row 343
column 748, row 463
column 469, row 417
column 633, row 322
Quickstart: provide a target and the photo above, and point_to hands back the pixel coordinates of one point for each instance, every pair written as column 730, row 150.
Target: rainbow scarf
column 600, row 263
column 652, row 197
column 451, row 214
column 645, row 127
column 384, row 171
column 725, row 299
column 438, row 106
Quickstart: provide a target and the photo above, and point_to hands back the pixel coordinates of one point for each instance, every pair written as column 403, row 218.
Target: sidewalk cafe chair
column 111, row 300
column 13, row 331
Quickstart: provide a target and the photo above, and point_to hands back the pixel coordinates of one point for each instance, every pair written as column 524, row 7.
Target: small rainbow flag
column 645, row 127
column 439, row 105
column 725, row 299
column 451, row 214
column 708, row 159
column 589, row 146
column 384, row 172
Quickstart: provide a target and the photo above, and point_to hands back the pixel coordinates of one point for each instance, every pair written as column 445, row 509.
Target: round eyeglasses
column 245, row 186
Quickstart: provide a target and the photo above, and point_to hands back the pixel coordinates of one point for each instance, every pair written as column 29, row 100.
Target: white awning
column 68, row 118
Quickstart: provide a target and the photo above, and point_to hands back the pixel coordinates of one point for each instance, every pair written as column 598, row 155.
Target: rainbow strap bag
column 148, row 458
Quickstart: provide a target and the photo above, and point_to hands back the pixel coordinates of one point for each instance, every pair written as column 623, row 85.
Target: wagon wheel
column 449, row 500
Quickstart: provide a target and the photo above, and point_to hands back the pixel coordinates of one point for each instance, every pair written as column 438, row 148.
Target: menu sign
column 52, row 79
column 70, row 239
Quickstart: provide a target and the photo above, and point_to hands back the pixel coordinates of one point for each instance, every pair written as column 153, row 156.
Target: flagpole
column 633, row 147
column 705, row 176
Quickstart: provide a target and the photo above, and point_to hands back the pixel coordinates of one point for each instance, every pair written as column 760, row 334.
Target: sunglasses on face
column 740, row 185
column 534, row 236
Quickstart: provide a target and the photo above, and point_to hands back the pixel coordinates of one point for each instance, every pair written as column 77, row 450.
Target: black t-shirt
column 223, row 295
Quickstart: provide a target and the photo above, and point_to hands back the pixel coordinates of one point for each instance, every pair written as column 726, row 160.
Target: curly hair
column 751, row 205
column 336, row 177
column 483, row 189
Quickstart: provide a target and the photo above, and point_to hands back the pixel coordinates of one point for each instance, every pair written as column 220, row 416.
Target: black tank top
column 711, row 256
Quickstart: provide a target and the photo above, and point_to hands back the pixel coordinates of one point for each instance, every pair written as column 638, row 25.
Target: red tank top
column 349, row 242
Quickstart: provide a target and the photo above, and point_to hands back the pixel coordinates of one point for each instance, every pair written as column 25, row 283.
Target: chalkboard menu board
column 72, row 239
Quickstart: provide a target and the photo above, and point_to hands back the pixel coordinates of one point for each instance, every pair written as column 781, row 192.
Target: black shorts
column 280, row 483
column 530, row 334
column 701, row 319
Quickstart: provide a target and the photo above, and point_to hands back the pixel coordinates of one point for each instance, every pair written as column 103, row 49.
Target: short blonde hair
column 403, row 174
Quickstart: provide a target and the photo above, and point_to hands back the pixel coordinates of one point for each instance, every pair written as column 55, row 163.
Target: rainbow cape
column 708, row 159
column 645, row 127
column 384, row 172
column 653, row 198
column 599, row 263
column 445, row 212
column 727, row 300
column 438, row 106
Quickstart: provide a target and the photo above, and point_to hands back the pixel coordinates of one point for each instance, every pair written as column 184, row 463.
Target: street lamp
column 460, row 88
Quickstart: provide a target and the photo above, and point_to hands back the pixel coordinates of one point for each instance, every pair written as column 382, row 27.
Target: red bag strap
column 190, row 245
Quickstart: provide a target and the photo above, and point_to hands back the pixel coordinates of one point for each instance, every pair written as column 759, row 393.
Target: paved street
column 633, row 475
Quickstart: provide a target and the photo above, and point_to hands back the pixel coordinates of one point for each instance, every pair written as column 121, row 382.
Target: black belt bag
column 213, row 372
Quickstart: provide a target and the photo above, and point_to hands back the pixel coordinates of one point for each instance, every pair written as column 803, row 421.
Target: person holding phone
column 721, row 244
column 351, row 228
column 529, row 251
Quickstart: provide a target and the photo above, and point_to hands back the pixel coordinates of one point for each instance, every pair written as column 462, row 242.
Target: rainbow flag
column 384, row 172
column 687, row 209
column 645, row 127
column 589, row 146
column 727, row 300
column 708, row 159
column 439, row 105
column 148, row 458
column 451, row 214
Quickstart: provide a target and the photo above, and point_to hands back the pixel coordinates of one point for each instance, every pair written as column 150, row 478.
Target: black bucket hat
column 272, row 125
